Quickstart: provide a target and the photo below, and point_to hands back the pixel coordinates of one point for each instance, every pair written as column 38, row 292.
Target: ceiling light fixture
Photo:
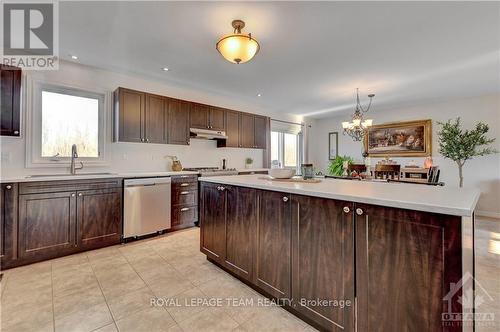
column 358, row 127
column 259, row 95
column 164, row 69
column 74, row 57
column 238, row 47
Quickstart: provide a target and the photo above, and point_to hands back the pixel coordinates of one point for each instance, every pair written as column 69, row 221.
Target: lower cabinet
column 47, row 225
column 8, row 222
column 184, row 201
column 213, row 219
column 99, row 217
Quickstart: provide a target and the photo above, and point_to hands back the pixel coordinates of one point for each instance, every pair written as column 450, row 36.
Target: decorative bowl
column 281, row 173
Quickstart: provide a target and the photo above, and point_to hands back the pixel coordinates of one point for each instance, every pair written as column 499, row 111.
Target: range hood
column 207, row 134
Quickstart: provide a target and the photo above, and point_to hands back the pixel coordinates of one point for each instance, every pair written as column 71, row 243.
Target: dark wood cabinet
column 47, row 225
column 184, row 201
column 99, row 217
column 8, row 222
column 274, row 244
column 232, row 130
column 247, row 130
column 405, row 259
column 323, row 260
column 156, row 120
column 213, row 221
column 129, row 115
column 217, row 118
column 10, row 100
column 241, row 223
column 261, row 131
column 177, row 121
column 199, row 116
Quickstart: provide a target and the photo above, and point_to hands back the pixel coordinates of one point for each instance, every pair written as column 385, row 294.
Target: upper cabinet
column 207, row 117
column 147, row 118
column 10, row 100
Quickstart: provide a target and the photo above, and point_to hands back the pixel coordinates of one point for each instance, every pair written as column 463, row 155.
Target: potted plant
column 336, row 166
column 461, row 145
column 248, row 163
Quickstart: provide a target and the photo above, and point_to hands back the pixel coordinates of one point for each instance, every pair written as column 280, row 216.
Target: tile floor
column 110, row 289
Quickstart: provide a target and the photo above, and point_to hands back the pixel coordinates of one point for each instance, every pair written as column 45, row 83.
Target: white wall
column 481, row 172
column 129, row 157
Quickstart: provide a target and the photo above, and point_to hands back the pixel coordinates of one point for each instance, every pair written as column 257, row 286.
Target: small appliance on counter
column 176, row 163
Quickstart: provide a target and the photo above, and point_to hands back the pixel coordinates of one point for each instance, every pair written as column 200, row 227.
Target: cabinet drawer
column 182, row 215
column 68, row 185
column 183, row 186
column 185, row 197
column 184, row 178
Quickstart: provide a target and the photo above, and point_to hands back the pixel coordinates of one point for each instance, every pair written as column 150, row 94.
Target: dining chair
column 383, row 171
column 359, row 168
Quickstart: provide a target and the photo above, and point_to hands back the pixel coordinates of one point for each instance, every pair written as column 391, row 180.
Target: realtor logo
column 29, row 34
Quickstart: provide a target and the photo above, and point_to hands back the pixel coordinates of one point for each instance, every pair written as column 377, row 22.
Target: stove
column 212, row 171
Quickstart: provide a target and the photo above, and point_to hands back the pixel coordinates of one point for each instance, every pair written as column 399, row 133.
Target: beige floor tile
column 209, row 320
column 78, row 301
column 158, row 273
column 274, row 319
column 148, row 320
column 108, row 328
column 84, row 320
column 186, row 304
column 199, row 273
column 169, row 286
column 130, row 303
column 30, row 326
column 14, row 300
column 27, row 316
column 73, row 283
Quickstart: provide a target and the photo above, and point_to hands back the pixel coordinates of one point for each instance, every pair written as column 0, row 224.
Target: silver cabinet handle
column 80, row 194
column 184, row 184
column 184, row 209
column 8, row 187
column 285, row 199
column 184, row 176
column 73, row 195
column 359, row 211
column 346, row 209
column 222, row 188
column 184, row 192
column 16, row 132
column 147, row 140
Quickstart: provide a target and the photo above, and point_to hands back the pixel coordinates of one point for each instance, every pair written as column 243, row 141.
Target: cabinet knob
column 73, row 195
column 359, row 211
column 8, row 187
column 184, row 192
column 147, row 140
column 222, row 188
column 285, row 199
column 184, row 184
column 184, row 209
column 346, row 209
column 16, row 132
column 80, row 194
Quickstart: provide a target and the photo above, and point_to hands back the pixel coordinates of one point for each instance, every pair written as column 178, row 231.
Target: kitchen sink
column 67, row 174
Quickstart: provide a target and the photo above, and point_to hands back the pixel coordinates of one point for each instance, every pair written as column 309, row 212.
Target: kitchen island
column 346, row 255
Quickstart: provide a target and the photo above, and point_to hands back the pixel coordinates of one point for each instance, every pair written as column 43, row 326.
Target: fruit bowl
column 281, row 173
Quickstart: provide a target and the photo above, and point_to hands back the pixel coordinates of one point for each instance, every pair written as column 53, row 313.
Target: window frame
column 34, row 157
column 281, row 150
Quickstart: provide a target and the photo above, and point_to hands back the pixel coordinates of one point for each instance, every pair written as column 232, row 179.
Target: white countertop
column 252, row 169
column 451, row 201
column 84, row 176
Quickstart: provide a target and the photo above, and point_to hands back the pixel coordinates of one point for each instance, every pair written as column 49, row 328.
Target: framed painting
column 400, row 139
column 333, row 145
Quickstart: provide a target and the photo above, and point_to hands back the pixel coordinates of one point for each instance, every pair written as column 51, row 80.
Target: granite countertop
column 445, row 200
column 86, row 176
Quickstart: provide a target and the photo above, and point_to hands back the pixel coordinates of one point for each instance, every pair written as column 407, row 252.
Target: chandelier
column 238, row 47
column 358, row 126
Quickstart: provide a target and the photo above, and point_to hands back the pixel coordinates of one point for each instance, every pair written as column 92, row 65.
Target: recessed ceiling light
column 259, row 95
column 74, row 57
column 164, row 69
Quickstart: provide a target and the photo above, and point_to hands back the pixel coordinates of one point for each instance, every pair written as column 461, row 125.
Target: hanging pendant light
column 238, row 47
column 358, row 127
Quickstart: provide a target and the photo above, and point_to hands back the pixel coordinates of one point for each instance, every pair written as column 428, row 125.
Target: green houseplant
column 336, row 165
column 461, row 145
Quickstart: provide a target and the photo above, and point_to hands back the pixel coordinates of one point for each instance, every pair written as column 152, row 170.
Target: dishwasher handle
column 142, row 182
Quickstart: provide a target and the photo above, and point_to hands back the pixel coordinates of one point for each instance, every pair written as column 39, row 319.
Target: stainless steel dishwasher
column 147, row 206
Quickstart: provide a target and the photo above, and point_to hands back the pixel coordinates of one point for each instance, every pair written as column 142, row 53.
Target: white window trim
column 34, row 124
column 281, row 150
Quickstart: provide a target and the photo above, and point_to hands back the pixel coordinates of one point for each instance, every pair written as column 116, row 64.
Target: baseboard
column 488, row 214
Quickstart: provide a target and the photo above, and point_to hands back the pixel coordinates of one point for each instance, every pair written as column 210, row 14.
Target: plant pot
column 248, row 166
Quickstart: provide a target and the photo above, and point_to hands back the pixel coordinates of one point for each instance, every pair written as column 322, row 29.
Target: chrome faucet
column 74, row 155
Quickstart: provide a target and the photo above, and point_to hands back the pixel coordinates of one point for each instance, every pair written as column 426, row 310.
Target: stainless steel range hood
column 207, row 134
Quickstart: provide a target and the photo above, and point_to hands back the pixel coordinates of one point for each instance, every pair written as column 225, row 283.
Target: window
column 61, row 117
column 285, row 150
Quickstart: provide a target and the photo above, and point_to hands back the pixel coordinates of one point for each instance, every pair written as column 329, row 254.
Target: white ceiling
column 312, row 57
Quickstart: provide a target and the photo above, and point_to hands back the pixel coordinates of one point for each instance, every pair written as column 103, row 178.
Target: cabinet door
column 47, row 225
column 247, row 131
column 99, row 217
column 178, row 122
column 241, row 224
column 155, row 119
column 217, row 118
column 260, row 132
column 10, row 100
column 213, row 221
column 406, row 260
column 233, row 129
column 199, row 116
column 131, row 112
column 273, row 261
column 323, row 260
column 8, row 222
